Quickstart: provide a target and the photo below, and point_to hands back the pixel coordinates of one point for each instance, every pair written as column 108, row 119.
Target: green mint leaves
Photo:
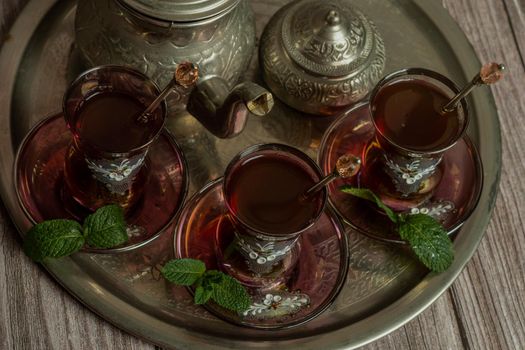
column 427, row 238
column 53, row 239
column 230, row 294
column 202, row 295
column 184, row 272
column 105, row 228
column 225, row 290
column 365, row 193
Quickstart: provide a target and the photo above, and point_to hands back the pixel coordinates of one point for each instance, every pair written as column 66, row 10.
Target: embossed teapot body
column 321, row 56
column 153, row 36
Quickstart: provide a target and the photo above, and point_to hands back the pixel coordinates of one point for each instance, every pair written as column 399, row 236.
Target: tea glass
column 95, row 176
column 404, row 176
column 258, row 256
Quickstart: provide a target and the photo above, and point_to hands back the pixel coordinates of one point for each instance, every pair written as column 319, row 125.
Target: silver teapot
column 153, row 36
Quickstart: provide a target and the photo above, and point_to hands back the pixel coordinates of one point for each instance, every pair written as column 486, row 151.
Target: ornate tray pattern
column 385, row 287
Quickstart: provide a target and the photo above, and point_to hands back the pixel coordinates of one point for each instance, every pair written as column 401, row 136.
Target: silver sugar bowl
column 153, row 36
column 321, row 56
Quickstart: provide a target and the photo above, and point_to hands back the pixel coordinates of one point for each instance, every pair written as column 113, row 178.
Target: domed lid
column 327, row 38
column 180, row 10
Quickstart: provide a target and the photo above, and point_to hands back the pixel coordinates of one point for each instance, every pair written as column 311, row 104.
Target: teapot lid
column 181, row 10
column 328, row 38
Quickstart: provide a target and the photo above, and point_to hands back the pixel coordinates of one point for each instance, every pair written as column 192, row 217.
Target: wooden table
column 484, row 308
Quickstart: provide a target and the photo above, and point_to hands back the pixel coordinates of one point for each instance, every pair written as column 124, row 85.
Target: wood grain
column 515, row 10
column 484, row 308
column 8, row 12
column 489, row 294
column 36, row 313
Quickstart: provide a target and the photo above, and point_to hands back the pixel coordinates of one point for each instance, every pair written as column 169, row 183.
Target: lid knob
column 333, row 30
column 327, row 37
column 332, row 18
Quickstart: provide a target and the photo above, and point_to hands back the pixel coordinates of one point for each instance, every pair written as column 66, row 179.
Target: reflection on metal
column 320, row 56
column 155, row 36
column 224, row 112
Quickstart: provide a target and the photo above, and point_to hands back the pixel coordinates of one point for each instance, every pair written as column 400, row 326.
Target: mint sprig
column 223, row 289
column 106, row 227
column 57, row 238
column 230, row 294
column 184, row 272
column 53, row 239
column 202, row 295
column 428, row 240
column 367, row 194
column 425, row 235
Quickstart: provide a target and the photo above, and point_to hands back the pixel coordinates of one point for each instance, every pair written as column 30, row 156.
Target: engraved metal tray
column 385, row 287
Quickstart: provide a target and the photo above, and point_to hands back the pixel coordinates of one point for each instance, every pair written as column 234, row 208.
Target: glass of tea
column 402, row 162
column 107, row 160
column 263, row 189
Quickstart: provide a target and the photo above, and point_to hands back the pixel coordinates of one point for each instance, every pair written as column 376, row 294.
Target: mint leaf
column 428, row 240
column 106, row 227
column 230, row 294
column 225, row 290
column 184, row 272
column 365, row 193
column 202, row 295
column 53, row 239
column 213, row 277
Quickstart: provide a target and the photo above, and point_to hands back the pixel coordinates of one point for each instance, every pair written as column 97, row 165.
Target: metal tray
column 385, row 287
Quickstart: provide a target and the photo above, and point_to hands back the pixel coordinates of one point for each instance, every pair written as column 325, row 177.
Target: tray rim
column 163, row 333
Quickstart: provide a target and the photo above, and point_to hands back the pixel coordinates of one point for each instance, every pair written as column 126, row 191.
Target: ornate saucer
column 315, row 280
column 39, row 181
column 451, row 203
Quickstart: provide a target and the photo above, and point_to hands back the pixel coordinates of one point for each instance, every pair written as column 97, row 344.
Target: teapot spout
column 224, row 112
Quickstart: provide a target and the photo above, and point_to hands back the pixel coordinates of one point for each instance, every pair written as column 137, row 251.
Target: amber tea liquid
column 408, row 113
column 265, row 193
column 106, row 123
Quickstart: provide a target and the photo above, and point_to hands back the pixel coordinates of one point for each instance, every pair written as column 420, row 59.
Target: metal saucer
column 451, row 203
column 39, row 183
column 315, row 282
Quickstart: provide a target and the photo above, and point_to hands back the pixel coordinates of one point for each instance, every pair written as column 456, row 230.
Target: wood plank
column 489, row 294
column 515, row 10
column 425, row 331
column 9, row 9
column 36, row 313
